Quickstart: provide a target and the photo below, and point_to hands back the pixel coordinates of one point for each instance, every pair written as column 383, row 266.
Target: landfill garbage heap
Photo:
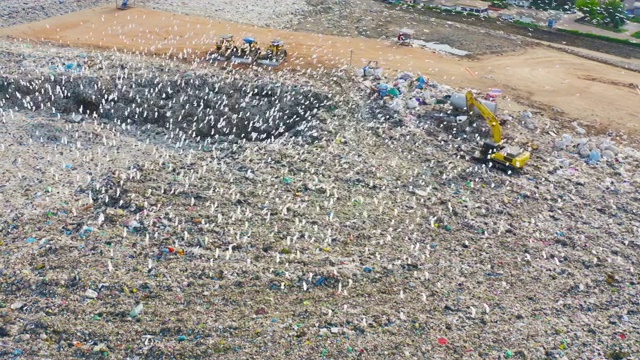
column 198, row 106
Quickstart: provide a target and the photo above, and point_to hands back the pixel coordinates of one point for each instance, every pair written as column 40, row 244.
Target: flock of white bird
column 205, row 188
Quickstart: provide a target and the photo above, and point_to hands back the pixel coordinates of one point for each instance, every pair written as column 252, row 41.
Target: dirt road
column 581, row 89
column 484, row 25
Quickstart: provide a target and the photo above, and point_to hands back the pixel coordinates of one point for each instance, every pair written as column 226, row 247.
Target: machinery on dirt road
column 493, row 152
column 222, row 50
column 125, row 4
column 245, row 53
column 405, row 37
column 275, row 55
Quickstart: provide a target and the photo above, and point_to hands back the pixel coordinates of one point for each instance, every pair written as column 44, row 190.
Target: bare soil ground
column 488, row 25
column 543, row 78
column 372, row 18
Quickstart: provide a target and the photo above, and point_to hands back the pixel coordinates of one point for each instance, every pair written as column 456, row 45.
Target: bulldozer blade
column 214, row 58
column 239, row 60
column 269, row 62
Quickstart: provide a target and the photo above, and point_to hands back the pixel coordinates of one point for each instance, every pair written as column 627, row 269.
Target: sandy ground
column 597, row 56
column 547, row 79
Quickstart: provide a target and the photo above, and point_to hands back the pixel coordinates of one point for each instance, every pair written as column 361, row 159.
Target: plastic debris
column 91, row 294
column 243, row 207
column 594, row 156
column 17, row 305
column 136, row 311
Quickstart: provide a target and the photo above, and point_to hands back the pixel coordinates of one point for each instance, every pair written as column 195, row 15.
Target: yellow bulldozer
column 222, row 50
column 494, row 152
column 275, row 55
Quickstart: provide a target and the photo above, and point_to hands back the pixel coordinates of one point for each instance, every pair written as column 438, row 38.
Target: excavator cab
column 503, row 157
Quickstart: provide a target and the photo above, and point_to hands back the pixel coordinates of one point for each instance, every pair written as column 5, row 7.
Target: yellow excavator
column 505, row 158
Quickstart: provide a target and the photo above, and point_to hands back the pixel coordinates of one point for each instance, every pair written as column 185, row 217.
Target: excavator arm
column 494, row 124
column 504, row 157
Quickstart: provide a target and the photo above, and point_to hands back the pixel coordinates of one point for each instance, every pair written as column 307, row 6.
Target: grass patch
column 600, row 37
column 634, row 19
column 525, row 24
column 435, row 8
column 449, row 11
column 636, row 34
column 609, row 28
column 602, row 27
column 500, row 4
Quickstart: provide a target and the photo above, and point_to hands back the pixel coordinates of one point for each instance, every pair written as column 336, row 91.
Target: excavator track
column 496, row 165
